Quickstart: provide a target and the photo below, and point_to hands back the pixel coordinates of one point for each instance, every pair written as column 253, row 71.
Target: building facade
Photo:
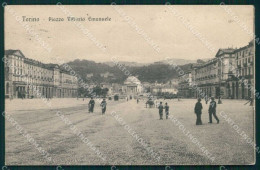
column 229, row 75
column 185, row 85
column 132, row 87
column 205, row 76
column 27, row 78
column 242, row 77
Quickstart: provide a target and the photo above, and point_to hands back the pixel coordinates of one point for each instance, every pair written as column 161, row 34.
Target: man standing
column 160, row 107
column 91, row 105
column 166, row 107
column 103, row 106
column 250, row 99
column 197, row 110
column 206, row 99
column 212, row 110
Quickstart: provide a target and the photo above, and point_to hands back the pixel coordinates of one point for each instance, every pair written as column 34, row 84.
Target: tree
column 199, row 61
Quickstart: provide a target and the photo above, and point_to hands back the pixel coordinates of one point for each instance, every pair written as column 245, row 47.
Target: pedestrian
column 219, row 100
column 197, row 110
column 150, row 102
column 156, row 104
column 206, row 99
column 137, row 100
column 250, row 100
column 212, row 110
column 166, row 107
column 103, row 106
column 91, row 105
column 160, row 107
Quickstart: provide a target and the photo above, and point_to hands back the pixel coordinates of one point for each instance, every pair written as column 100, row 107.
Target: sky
column 120, row 39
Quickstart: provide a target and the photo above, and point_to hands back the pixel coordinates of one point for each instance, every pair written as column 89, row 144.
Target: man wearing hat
column 103, row 105
column 166, row 107
column 91, row 105
column 212, row 110
column 197, row 110
column 160, row 107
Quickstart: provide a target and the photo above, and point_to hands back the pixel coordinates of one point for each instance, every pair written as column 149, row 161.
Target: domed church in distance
column 132, row 86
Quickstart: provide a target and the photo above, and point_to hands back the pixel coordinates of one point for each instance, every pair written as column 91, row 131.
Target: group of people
column 161, row 107
column 91, row 106
column 212, row 111
column 198, row 111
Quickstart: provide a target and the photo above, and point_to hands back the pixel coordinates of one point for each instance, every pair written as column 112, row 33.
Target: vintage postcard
column 129, row 85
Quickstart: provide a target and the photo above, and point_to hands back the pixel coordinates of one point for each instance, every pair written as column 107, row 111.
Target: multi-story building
column 242, row 77
column 229, row 75
column 205, row 77
column 185, row 85
column 226, row 65
column 27, row 78
column 164, row 89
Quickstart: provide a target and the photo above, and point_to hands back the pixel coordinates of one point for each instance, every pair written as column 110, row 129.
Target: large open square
column 113, row 140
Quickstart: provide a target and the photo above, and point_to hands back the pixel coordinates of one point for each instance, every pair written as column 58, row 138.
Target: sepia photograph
column 129, row 84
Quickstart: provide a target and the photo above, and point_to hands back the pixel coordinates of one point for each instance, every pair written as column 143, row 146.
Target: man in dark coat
column 103, row 106
column 160, row 107
column 197, row 110
column 212, row 110
column 91, row 105
column 166, row 107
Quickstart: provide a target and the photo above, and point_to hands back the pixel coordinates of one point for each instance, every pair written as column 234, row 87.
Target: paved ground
column 119, row 147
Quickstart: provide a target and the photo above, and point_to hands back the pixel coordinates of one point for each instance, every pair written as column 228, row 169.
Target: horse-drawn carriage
column 150, row 102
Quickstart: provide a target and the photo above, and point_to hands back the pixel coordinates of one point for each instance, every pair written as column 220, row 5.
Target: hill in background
column 160, row 71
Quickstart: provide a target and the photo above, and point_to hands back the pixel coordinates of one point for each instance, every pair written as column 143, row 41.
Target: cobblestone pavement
column 114, row 141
